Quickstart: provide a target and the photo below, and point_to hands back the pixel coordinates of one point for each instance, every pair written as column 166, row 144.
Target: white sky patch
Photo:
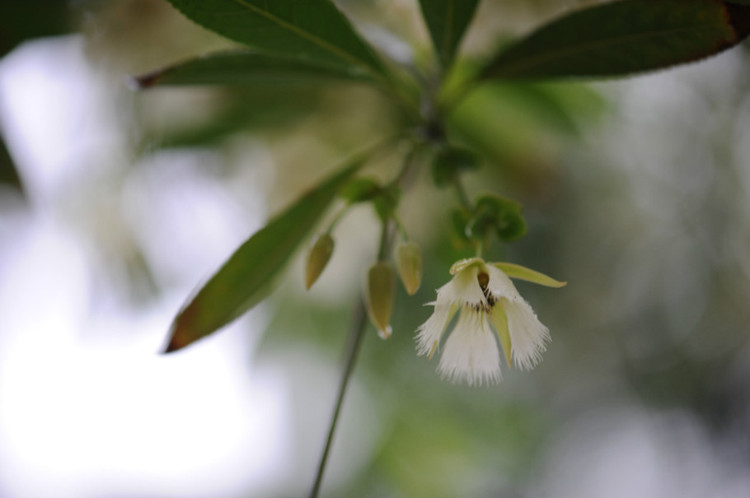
column 87, row 407
column 621, row 452
column 47, row 86
column 80, row 416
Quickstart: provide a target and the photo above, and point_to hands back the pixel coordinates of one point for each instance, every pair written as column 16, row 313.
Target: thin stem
column 463, row 198
column 337, row 218
column 385, row 241
column 461, row 193
column 406, row 168
column 354, row 342
column 452, row 101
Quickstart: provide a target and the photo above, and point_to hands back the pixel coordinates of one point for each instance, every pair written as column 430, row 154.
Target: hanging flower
column 486, row 300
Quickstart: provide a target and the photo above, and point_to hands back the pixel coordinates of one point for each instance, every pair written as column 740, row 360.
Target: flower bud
column 318, row 258
column 380, row 294
column 409, row 264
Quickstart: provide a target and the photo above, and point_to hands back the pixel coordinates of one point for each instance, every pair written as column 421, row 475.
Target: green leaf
column 313, row 30
column 624, row 37
column 447, row 21
column 250, row 273
column 239, row 67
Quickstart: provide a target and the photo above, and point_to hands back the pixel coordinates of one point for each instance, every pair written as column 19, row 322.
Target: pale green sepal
column 460, row 266
column 409, row 265
column 317, row 259
column 523, row 273
column 380, row 295
column 500, row 322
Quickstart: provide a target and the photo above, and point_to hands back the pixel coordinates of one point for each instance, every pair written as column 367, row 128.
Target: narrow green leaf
column 447, row 21
column 314, row 30
column 250, row 273
column 624, row 37
column 523, row 273
column 238, row 67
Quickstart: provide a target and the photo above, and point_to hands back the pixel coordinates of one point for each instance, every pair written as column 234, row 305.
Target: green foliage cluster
column 293, row 41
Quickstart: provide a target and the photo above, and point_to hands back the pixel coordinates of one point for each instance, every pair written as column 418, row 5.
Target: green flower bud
column 498, row 214
column 318, row 258
column 380, row 293
column 409, row 264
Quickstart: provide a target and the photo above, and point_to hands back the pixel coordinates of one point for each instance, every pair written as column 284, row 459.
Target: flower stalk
column 354, row 344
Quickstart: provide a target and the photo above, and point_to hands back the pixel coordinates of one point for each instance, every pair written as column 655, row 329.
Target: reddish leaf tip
column 146, row 81
column 173, row 346
column 739, row 19
column 178, row 338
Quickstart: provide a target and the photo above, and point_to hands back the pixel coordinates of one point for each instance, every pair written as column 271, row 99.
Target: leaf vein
column 606, row 44
column 264, row 12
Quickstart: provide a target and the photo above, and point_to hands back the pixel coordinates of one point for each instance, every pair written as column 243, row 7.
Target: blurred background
column 116, row 204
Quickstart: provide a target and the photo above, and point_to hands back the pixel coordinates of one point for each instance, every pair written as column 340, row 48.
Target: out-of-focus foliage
column 252, row 271
column 299, row 40
column 622, row 38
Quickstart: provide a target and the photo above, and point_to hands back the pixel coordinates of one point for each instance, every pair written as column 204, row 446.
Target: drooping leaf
column 313, row 30
column 624, row 37
column 251, row 272
column 447, row 21
column 239, row 67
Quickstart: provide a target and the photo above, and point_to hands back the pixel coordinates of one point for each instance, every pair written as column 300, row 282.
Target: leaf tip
column 145, row 81
column 739, row 19
column 179, row 337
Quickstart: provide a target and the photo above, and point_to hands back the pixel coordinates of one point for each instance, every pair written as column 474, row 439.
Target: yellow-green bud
column 409, row 264
column 380, row 293
column 318, row 258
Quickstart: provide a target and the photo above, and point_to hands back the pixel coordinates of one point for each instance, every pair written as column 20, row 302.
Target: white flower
column 486, row 300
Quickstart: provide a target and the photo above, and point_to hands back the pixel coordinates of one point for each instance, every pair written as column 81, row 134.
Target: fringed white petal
column 528, row 336
column 463, row 289
column 429, row 333
column 500, row 285
column 470, row 352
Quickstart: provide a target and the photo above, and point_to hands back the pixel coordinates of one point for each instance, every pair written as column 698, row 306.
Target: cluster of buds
column 381, row 284
column 380, row 289
column 476, row 315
